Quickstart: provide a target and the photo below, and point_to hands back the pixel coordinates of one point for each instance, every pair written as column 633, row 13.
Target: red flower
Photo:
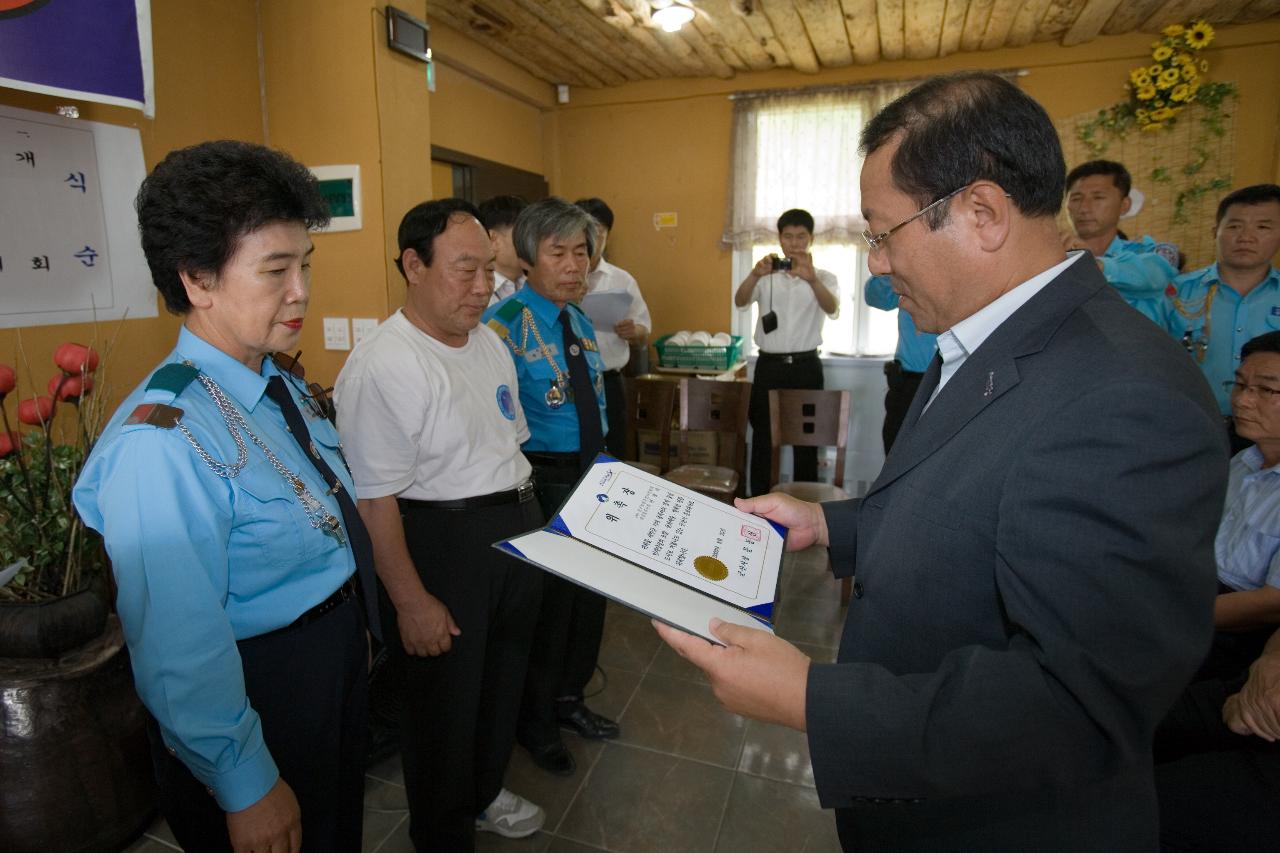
column 36, row 411
column 75, row 358
column 9, row 442
column 73, row 387
column 8, row 379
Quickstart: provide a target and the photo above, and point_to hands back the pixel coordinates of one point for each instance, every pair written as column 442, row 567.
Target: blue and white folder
column 659, row 548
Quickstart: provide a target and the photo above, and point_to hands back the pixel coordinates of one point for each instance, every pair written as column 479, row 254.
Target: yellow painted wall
column 487, row 107
column 659, row 146
column 405, row 134
column 206, row 79
column 337, row 95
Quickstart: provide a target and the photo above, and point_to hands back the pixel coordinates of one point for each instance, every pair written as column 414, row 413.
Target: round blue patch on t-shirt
column 505, row 404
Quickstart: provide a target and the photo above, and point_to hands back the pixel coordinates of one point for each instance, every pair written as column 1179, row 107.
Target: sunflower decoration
column 1198, row 35
column 1160, row 90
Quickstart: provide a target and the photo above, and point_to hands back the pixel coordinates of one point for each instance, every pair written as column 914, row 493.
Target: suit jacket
column 1035, row 584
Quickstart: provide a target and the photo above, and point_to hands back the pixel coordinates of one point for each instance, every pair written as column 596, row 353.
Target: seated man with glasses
column 1248, row 543
column 1209, row 767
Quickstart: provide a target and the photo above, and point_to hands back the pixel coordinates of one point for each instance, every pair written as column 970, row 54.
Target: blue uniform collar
column 242, row 384
column 543, row 308
column 1211, row 274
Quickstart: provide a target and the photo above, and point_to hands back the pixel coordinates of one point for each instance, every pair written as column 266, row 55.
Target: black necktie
column 590, row 433
column 357, row 534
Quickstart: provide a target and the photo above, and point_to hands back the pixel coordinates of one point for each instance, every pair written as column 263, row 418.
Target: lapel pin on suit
column 991, row 384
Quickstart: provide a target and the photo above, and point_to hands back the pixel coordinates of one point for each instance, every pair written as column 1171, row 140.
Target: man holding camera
column 795, row 299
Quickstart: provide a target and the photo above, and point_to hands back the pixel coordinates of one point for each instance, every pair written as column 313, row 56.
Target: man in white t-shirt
column 498, row 215
column 430, row 417
column 795, row 299
column 615, row 344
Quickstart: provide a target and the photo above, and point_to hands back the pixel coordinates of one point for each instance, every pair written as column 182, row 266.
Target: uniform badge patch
column 505, row 404
column 1275, row 310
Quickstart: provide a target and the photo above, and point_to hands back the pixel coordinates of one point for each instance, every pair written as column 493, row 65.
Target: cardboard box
column 704, row 447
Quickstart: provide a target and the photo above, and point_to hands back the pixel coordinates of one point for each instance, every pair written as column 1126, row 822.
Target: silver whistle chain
column 319, row 516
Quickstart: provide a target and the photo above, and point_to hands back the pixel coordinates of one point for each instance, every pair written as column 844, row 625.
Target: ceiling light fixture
column 672, row 16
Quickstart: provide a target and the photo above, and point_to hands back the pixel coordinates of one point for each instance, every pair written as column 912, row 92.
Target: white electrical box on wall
column 361, row 327
column 337, row 334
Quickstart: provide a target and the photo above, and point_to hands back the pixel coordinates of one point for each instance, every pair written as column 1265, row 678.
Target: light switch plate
column 337, row 334
column 361, row 327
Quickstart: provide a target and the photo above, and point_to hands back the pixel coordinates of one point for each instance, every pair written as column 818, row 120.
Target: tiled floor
column 685, row 776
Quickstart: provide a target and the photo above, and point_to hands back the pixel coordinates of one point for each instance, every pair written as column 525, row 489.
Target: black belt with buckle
column 787, row 357
column 342, row 594
column 518, row 495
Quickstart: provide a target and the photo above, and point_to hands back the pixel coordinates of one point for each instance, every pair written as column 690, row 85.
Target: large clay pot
column 76, row 768
column 47, row 629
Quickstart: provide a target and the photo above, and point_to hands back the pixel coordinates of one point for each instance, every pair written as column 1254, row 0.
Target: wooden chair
column 719, row 407
column 651, row 405
column 805, row 418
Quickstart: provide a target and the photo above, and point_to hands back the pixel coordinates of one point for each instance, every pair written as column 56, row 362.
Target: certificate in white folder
column 661, row 549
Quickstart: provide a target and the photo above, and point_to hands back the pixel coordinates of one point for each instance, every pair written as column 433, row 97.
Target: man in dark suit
column 1034, row 564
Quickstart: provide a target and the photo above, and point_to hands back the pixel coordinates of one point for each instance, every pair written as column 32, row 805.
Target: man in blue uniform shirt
column 560, row 370
column 222, row 497
column 1097, row 196
column 910, row 359
column 1219, row 308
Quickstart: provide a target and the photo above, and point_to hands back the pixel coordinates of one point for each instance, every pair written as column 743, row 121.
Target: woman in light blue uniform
column 221, row 492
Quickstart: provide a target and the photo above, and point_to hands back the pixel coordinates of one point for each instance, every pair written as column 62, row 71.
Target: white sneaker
column 511, row 816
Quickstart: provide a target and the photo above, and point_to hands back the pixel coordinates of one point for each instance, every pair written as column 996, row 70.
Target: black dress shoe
column 553, row 758
column 587, row 723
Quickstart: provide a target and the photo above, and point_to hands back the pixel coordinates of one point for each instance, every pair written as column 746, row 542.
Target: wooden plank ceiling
column 599, row 43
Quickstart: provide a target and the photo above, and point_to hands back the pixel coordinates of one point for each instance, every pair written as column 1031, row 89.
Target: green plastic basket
column 699, row 358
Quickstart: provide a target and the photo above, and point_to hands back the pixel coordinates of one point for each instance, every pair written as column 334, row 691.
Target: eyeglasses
column 1264, row 394
column 876, row 241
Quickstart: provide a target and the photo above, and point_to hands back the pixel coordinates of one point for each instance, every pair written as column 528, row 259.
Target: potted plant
column 72, row 731
column 52, row 569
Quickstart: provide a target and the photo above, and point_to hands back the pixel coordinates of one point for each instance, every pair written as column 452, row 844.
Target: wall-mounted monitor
column 407, row 34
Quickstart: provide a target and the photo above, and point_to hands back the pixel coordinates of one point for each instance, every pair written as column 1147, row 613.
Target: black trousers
column 309, row 686
column 897, row 399
column 773, row 371
column 566, row 642
column 1218, row 790
column 615, row 405
column 458, row 721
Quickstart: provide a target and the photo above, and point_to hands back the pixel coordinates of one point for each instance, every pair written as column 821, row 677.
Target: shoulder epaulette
column 509, row 310
column 173, row 378
column 288, row 364
column 155, row 414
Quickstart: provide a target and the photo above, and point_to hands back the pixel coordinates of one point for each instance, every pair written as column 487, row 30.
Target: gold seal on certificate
column 711, row 568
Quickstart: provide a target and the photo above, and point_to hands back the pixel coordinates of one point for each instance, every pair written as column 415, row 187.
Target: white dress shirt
column 956, row 344
column 606, row 278
column 800, row 317
column 504, row 287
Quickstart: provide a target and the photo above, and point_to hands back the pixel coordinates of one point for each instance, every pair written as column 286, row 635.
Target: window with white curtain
column 800, row 149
